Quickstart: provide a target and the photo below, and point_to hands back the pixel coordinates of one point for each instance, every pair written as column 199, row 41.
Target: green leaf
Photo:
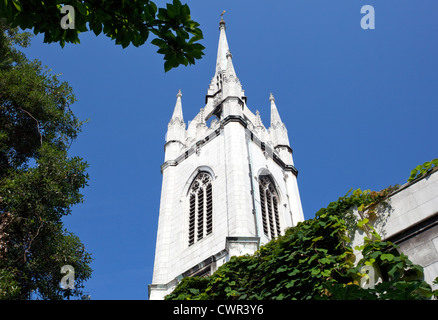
column 326, row 273
column 413, row 174
column 387, row 256
column 185, row 12
column 125, row 42
column 294, row 272
column 370, row 262
column 167, row 66
column 81, row 8
column 194, row 291
column 152, row 7
column 395, row 268
column 315, row 272
column 172, row 11
column 282, row 269
column 17, row 5
column 97, row 28
column 252, row 266
column 160, row 43
column 325, row 260
column 280, row 297
column 362, row 222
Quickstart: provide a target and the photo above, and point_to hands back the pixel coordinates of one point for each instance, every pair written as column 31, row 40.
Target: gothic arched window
column 200, row 208
column 269, row 202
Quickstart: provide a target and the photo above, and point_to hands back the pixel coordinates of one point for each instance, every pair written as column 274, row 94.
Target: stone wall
column 410, row 219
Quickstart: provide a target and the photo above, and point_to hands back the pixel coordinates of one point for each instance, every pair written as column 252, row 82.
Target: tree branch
column 38, row 124
column 31, row 240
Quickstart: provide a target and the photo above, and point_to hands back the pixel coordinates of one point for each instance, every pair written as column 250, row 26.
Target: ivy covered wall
column 317, row 259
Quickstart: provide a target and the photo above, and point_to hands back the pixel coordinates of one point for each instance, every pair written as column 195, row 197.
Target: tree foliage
column 126, row 22
column 315, row 260
column 39, row 182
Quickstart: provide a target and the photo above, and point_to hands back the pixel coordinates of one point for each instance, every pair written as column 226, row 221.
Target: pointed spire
column 224, row 83
column 177, row 115
column 231, row 86
column 258, row 122
column 259, row 128
column 221, row 61
column 275, row 116
column 229, row 71
column 176, row 129
column 278, row 129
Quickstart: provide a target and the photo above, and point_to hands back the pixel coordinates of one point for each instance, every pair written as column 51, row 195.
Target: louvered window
column 200, row 208
column 269, row 205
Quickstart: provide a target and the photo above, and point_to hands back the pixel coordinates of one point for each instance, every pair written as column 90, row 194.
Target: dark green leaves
column 126, row 22
column 39, row 182
column 281, row 269
column 293, row 266
column 313, row 260
column 174, row 39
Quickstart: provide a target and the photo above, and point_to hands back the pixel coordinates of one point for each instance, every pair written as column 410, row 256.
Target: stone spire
column 277, row 129
column 224, row 64
column 176, row 129
column 221, row 60
column 258, row 122
column 231, row 85
column 275, row 116
column 259, row 128
column 177, row 115
column 224, row 85
column 229, row 71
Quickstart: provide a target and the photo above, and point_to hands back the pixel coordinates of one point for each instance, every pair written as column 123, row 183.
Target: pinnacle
column 177, row 112
column 275, row 116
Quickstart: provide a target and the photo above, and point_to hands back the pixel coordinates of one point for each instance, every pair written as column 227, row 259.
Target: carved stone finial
column 271, row 97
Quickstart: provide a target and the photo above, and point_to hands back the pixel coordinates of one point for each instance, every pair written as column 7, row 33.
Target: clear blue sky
column 361, row 108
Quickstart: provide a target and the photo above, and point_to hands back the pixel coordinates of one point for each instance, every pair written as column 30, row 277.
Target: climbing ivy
column 315, row 260
column 421, row 170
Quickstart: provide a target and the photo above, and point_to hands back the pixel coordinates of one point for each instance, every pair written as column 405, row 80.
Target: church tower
column 227, row 188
